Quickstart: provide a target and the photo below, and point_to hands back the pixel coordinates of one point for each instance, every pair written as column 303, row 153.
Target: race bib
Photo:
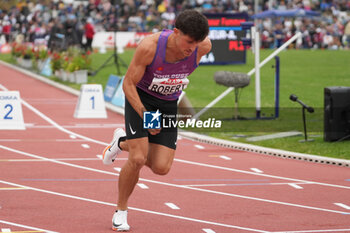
column 168, row 86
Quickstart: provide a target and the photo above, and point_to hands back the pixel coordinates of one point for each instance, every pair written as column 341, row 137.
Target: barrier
column 119, row 96
column 90, row 103
column 111, row 87
column 11, row 116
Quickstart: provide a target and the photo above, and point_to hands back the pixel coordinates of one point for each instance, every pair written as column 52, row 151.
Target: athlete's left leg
column 160, row 158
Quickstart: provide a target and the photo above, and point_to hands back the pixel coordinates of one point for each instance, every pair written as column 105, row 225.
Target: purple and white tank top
column 167, row 80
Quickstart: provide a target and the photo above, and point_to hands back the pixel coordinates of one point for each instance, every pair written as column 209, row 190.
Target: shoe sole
column 120, row 230
column 104, row 154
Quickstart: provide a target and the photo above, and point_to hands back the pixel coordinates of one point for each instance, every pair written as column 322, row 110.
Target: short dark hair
column 193, row 24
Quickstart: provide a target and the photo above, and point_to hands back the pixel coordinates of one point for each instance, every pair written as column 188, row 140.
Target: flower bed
column 71, row 65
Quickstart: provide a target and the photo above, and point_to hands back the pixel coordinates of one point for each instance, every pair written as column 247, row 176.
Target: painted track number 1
column 92, row 102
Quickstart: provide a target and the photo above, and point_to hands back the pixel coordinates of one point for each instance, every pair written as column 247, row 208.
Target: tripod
column 114, row 56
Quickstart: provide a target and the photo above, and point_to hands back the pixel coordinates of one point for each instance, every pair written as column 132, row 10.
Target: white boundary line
column 204, row 138
column 133, row 208
column 24, row 226
column 177, row 186
column 264, row 150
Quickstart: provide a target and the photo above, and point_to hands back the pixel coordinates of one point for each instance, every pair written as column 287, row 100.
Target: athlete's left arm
column 204, row 47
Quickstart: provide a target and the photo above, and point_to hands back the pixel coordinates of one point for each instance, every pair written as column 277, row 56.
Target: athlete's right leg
column 129, row 175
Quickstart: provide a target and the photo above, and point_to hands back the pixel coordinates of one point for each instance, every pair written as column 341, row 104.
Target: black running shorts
column 134, row 123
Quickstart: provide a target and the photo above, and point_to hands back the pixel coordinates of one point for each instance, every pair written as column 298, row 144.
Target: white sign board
column 11, row 116
column 90, row 103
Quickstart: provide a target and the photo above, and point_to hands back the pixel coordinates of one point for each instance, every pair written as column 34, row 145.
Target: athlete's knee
column 137, row 161
column 161, row 170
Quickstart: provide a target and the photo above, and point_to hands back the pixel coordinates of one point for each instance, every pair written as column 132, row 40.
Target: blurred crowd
column 59, row 24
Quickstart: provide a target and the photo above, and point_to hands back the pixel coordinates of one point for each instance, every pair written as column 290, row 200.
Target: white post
column 257, row 73
column 277, row 51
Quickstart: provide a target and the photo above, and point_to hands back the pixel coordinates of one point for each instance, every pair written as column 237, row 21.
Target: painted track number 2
column 8, row 109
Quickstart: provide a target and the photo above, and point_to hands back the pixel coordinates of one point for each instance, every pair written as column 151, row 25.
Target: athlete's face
column 185, row 43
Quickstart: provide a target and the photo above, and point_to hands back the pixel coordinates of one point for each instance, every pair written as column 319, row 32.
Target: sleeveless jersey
column 167, row 80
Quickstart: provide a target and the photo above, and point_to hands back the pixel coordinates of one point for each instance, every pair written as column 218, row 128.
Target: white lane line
column 256, row 170
column 68, row 140
column 49, row 120
column 259, row 174
column 207, row 230
column 199, row 147
column 172, row 206
column 76, row 126
column 72, row 136
column 100, row 157
column 118, row 169
column 43, row 140
column 175, row 185
column 225, row 157
column 86, row 146
column 342, row 205
column 295, row 186
column 43, row 160
column 25, row 226
column 5, row 230
column 143, row 186
column 133, row 208
column 12, row 188
column 244, row 184
column 311, row 231
column 10, row 140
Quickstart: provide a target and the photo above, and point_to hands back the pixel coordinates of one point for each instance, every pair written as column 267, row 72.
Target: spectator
column 6, row 31
column 89, row 33
column 57, row 36
column 278, row 35
column 347, row 35
column 33, row 19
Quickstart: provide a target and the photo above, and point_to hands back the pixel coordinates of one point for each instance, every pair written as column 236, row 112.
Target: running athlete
column 155, row 78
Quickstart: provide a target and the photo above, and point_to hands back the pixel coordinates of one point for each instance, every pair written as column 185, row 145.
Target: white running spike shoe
column 112, row 150
column 119, row 221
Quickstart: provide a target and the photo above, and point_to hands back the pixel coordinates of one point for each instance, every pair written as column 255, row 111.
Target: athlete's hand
column 154, row 131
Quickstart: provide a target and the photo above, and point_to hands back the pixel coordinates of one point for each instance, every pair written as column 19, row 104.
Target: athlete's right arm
column 143, row 56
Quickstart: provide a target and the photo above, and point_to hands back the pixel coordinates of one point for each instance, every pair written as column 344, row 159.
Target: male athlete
column 155, row 78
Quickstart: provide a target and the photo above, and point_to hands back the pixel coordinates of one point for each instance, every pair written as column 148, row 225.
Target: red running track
column 53, row 181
